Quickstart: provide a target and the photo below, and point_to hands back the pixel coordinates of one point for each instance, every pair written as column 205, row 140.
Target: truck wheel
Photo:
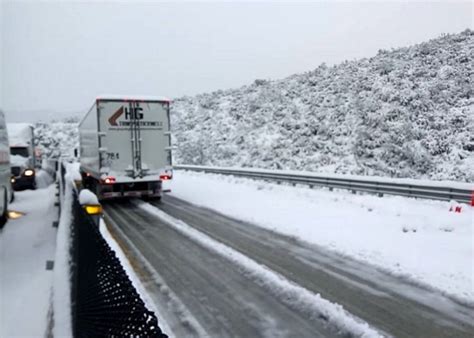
column 33, row 185
column 12, row 197
column 4, row 216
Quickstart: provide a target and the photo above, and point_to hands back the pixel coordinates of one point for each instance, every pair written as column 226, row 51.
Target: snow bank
column 43, row 179
column 73, row 170
column 25, row 246
column 62, row 274
column 88, row 197
column 417, row 239
column 275, row 283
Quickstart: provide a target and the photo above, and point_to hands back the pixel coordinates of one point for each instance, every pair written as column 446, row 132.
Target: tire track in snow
column 294, row 295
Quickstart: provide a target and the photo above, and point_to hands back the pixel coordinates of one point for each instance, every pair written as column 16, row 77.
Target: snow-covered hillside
column 57, row 138
column 408, row 112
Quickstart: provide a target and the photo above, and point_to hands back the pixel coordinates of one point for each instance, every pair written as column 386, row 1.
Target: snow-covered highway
column 207, row 295
column 208, row 274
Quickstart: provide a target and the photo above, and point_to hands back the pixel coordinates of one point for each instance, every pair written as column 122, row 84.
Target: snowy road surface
column 203, row 292
column 418, row 240
column 213, row 297
column 25, row 246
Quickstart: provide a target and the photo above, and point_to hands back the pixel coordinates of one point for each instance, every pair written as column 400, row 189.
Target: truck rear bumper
column 124, row 190
column 152, row 189
column 147, row 193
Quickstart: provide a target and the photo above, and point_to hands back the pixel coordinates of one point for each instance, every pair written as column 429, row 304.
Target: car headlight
column 29, row 172
column 12, row 179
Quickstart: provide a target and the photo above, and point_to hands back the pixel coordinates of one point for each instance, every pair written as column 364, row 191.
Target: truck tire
column 12, row 197
column 4, row 216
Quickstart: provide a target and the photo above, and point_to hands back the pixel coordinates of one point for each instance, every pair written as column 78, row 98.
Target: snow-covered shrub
column 407, row 112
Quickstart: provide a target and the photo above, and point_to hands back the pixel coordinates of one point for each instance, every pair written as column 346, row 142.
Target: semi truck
column 22, row 155
column 6, row 192
column 125, row 146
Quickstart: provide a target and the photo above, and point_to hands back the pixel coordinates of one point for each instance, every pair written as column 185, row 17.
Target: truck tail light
column 109, row 180
column 165, row 177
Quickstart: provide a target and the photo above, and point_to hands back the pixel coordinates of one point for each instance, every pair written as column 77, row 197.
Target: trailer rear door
column 134, row 138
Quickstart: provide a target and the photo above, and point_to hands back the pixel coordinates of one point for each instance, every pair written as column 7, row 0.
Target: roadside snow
column 417, row 239
column 43, row 179
column 62, row 270
column 74, row 170
column 25, row 246
column 275, row 283
column 87, row 197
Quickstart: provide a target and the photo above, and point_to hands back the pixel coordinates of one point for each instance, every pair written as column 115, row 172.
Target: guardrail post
column 91, row 205
column 377, row 188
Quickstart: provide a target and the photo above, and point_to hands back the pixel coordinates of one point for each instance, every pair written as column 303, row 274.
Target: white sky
column 58, row 55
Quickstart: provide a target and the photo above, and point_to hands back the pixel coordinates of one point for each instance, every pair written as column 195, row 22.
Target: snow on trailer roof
column 115, row 97
column 19, row 134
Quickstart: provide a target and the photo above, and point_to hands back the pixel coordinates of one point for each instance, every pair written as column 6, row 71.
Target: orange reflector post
column 93, row 209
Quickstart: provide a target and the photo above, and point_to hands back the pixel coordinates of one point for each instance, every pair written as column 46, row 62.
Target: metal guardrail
column 378, row 186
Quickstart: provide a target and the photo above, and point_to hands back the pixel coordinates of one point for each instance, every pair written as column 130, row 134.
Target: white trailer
column 22, row 155
column 125, row 146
